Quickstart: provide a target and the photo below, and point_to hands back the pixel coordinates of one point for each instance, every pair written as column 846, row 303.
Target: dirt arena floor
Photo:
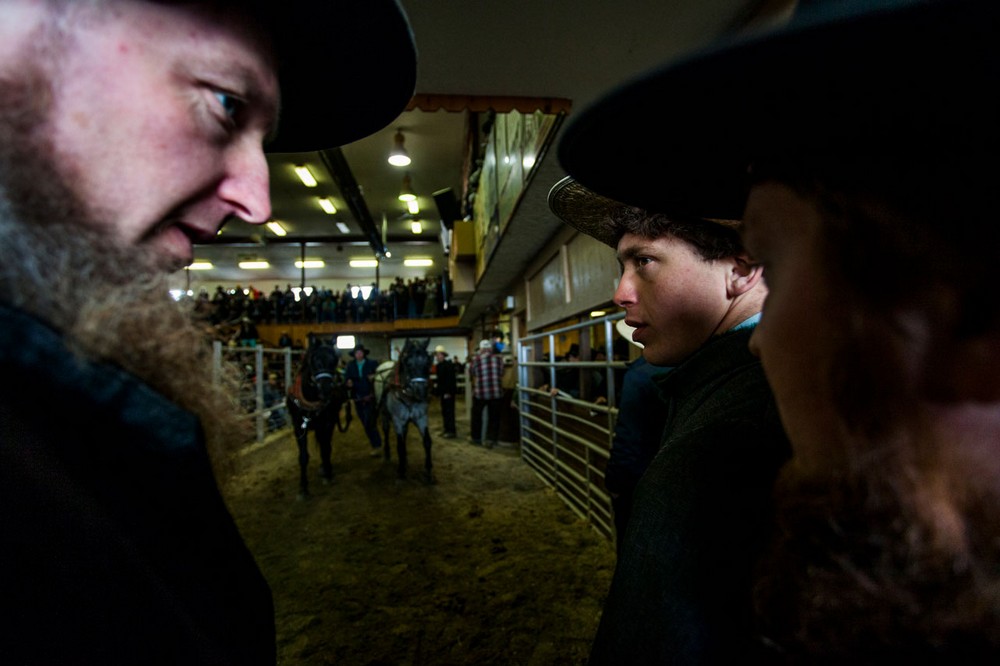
column 487, row 566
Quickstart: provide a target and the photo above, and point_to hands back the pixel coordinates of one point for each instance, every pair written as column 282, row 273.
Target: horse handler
column 361, row 381
column 445, row 387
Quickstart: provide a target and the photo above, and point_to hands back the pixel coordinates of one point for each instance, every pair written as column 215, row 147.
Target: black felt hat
column 360, row 347
column 910, row 79
column 347, row 68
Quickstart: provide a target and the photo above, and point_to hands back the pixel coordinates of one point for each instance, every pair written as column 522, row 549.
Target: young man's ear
column 743, row 275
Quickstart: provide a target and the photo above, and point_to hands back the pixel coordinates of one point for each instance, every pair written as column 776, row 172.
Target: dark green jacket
column 682, row 586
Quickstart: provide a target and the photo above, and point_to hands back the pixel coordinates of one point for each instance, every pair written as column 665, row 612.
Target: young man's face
column 158, row 118
column 797, row 339
column 675, row 299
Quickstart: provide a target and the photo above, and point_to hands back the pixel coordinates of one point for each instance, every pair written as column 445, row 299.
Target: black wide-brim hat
column 347, row 68
column 910, row 79
column 594, row 214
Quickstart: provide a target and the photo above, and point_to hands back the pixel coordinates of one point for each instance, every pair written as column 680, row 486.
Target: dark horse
column 314, row 401
column 402, row 389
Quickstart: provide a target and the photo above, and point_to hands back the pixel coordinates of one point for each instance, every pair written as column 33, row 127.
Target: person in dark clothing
column 360, row 375
column 862, row 174
column 445, row 387
column 130, row 130
column 568, row 378
column 637, row 434
column 681, row 591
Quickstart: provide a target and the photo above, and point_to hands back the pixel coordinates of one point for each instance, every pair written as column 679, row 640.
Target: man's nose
column 624, row 293
column 246, row 187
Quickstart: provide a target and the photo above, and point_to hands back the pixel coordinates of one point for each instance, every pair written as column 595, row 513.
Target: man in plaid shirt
column 486, row 371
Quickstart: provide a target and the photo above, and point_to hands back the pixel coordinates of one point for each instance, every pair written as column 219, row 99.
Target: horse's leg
column 401, row 451
column 324, row 435
column 385, row 420
column 428, row 473
column 302, row 439
column 420, row 420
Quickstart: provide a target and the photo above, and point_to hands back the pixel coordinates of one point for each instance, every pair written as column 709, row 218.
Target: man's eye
column 642, row 261
column 229, row 103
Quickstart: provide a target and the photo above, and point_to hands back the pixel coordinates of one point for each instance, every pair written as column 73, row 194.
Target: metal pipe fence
column 567, row 440
column 253, row 365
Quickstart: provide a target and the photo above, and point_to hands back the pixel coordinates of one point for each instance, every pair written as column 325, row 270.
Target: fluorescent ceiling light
column 254, row 265
column 310, row 263
column 344, row 229
column 416, row 227
column 364, row 263
column 345, row 342
column 528, row 161
column 305, row 175
column 413, row 206
column 200, row 266
column 418, row 262
column 276, row 228
column 326, row 203
column 598, row 313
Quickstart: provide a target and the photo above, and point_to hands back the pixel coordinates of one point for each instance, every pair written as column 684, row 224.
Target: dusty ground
column 488, row 566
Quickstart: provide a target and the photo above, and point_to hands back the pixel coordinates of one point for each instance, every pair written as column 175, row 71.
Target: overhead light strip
column 305, row 175
column 326, row 203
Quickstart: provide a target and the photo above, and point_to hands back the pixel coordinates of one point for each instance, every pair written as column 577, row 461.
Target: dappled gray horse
column 402, row 390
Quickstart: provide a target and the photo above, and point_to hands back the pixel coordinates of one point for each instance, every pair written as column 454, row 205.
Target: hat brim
column 346, row 69
column 584, row 210
column 897, row 77
column 592, row 213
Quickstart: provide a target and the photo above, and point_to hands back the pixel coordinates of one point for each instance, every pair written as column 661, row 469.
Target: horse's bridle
column 308, row 407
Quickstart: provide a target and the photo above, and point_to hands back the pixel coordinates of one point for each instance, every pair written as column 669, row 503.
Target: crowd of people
column 812, row 263
column 414, row 298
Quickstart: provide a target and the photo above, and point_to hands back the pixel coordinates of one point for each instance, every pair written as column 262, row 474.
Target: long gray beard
column 111, row 302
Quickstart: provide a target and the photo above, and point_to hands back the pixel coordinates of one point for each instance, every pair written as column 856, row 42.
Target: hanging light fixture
column 413, row 207
column 398, row 155
column 406, row 192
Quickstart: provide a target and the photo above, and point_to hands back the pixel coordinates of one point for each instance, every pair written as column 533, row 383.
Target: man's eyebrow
column 631, row 252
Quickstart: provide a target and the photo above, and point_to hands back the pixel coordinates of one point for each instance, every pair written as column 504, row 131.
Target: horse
column 402, row 388
column 314, row 399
